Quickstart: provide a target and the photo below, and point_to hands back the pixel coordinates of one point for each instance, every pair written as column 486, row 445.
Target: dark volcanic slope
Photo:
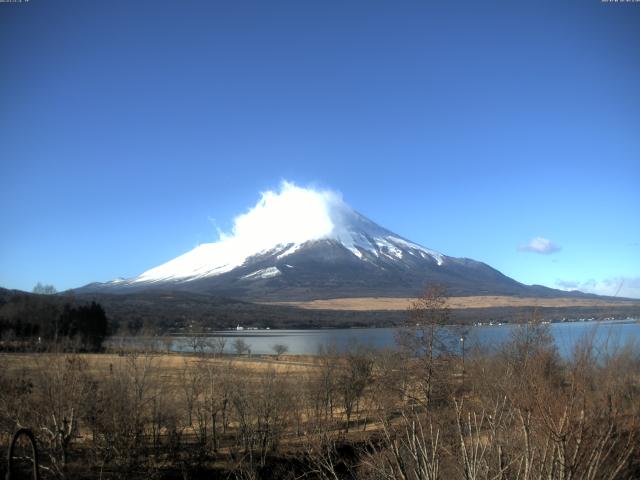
column 326, row 269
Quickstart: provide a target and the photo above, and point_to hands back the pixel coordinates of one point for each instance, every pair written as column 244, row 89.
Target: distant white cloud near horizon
column 628, row 287
column 540, row 245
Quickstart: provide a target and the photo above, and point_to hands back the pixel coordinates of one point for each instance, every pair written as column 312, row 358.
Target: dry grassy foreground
column 170, row 366
column 521, row 413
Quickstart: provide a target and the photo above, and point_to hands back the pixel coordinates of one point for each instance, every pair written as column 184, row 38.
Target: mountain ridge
column 301, row 244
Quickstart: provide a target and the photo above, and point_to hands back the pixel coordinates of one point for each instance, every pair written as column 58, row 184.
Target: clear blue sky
column 469, row 127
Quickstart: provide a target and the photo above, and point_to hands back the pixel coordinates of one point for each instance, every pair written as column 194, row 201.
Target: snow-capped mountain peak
column 304, row 243
column 284, row 222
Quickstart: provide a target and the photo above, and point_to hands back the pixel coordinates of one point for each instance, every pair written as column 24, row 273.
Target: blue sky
column 472, row 128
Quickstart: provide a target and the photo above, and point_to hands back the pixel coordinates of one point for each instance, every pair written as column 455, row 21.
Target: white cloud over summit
column 291, row 215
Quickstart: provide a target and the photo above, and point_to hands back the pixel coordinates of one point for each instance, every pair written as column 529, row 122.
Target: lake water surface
column 607, row 336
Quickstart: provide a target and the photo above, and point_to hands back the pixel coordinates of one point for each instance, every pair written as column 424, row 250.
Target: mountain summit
column 306, row 244
column 281, row 225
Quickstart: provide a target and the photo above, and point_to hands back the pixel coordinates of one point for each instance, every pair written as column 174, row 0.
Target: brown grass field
column 172, row 365
column 394, row 304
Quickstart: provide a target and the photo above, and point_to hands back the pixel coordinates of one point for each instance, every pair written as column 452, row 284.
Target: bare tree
column 528, row 341
column 215, row 396
column 64, row 388
column 191, row 383
column 390, row 382
column 280, row 349
column 197, row 343
column 120, row 413
column 353, row 377
column 240, row 346
column 323, row 388
column 425, row 337
column 167, row 343
column 44, row 289
column 215, row 345
column 410, row 449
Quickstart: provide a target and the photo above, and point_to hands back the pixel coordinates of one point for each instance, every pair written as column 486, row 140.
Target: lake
column 607, row 335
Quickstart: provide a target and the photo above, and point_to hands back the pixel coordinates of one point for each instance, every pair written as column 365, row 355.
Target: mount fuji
column 303, row 244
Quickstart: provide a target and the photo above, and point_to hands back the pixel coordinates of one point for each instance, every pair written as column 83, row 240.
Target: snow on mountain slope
column 283, row 223
column 305, row 244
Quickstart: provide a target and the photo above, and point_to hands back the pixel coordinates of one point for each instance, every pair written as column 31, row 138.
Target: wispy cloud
column 540, row 245
column 612, row 286
column 214, row 223
column 567, row 285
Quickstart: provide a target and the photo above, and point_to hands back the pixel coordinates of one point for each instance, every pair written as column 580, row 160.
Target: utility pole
column 462, row 346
